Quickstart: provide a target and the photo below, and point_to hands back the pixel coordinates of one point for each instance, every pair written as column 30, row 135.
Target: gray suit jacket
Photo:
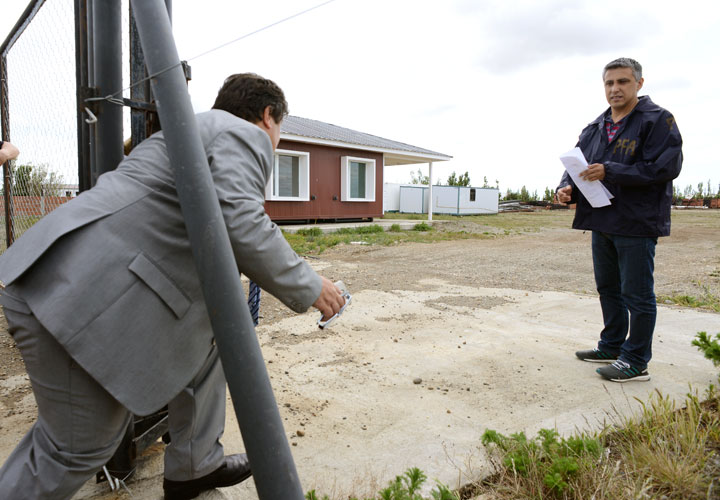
column 111, row 275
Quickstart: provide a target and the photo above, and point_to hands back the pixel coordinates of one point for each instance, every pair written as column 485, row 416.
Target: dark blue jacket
column 640, row 163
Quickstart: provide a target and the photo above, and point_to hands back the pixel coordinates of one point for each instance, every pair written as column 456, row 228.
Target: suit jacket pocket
column 161, row 284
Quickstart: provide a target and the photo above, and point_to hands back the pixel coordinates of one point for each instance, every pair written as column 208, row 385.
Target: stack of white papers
column 594, row 191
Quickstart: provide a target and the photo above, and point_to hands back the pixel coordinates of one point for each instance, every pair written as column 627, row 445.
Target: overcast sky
column 503, row 87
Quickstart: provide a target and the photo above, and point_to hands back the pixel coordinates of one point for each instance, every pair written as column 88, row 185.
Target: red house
column 326, row 172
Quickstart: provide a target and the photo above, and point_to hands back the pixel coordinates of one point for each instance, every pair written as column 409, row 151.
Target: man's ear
column 640, row 84
column 267, row 117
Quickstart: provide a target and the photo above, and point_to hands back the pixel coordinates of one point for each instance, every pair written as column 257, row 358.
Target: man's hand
column 594, row 172
column 8, row 152
column 563, row 195
column 330, row 300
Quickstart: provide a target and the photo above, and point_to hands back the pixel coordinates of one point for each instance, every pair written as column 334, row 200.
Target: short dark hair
column 625, row 62
column 247, row 95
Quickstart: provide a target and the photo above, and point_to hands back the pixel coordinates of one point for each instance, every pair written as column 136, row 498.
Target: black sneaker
column 620, row 371
column 596, row 356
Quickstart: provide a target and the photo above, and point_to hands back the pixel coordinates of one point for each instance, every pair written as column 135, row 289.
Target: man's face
column 621, row 88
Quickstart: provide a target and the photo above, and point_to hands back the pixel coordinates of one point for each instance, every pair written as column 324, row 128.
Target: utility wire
column 262, row 29
column 298, row 14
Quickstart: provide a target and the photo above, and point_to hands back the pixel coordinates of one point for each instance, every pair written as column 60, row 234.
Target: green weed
column 405, row 487
column 666, row 451
column 311, row 231
column 374, row 228
column 546, row 458
column 708, row 299
column 709, row 346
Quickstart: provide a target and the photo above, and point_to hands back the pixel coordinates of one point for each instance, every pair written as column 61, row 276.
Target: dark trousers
column 624, row 267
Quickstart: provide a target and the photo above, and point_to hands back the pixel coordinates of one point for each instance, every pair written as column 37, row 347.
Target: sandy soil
column 488, row 327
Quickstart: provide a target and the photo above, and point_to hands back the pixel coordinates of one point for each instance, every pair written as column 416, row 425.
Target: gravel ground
column 533, row 258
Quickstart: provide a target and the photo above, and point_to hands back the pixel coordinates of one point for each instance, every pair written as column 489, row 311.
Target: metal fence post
column 84, row 137
column 7, row 174
column 107, row 78
column 255, row 406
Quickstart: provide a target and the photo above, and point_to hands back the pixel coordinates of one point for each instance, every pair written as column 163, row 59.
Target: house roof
column 295, row 128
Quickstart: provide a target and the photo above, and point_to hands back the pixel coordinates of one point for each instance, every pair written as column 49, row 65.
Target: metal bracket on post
column 255, row 406
column 187, row 70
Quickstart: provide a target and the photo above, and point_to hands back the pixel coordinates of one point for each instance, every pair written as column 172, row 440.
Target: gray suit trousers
column 80, row 424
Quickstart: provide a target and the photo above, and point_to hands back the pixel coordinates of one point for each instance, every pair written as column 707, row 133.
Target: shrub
column 709, row 346
column 423, row 226
column 546, row 457
column 311, row 231
column 373, row 228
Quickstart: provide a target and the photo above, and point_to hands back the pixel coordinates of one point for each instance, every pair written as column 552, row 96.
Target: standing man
column 634, row 148
column 105, row 305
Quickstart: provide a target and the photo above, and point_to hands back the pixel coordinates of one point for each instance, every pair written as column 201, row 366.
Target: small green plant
column 548, row 457
column 708, row 300
column 373, row 228
column 423, row 226
column 709, row 346
column 405, row 487
column 311, row 495
column 395, row 228
column 311, row 231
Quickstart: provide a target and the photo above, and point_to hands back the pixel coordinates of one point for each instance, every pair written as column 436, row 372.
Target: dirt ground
column 487, row 326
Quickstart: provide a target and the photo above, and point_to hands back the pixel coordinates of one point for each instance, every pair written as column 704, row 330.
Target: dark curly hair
column 247, row 95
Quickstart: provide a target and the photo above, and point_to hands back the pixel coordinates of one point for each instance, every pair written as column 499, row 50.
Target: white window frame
column 304, row 173
column 345, row 178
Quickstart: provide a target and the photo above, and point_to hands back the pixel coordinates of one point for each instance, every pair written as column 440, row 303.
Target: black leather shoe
column 234, row 470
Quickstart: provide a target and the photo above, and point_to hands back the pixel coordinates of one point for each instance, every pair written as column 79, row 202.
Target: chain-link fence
column 40, row 111
column 40, row 99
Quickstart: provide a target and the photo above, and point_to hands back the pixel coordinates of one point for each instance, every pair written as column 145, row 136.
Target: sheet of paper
column 594, row 191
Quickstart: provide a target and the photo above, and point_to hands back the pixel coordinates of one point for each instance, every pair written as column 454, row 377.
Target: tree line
column 35, row 180
column 703, row 191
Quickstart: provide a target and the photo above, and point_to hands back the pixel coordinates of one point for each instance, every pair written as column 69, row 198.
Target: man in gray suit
column 105, row 305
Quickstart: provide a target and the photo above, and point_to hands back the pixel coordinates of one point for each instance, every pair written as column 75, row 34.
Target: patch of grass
column 423, row 226
column 313, row 241
column 374, row 228
column 708, row 299
column 311, row 231
column 517, row 222
column 547, row 463
column 665, row 452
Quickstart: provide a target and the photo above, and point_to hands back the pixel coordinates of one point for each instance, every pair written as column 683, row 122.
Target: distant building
column 326, row 172
column 453, row 200
column 68, row 190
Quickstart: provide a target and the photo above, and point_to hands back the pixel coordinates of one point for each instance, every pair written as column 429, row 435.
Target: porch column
column 430, row 198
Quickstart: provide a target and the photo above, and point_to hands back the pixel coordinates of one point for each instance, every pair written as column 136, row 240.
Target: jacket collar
column 644, row 104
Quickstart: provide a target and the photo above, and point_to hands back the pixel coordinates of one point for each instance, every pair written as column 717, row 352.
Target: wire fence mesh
column 41, row 101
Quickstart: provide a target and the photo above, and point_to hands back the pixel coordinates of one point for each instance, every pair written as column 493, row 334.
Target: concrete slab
column 487, row 358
